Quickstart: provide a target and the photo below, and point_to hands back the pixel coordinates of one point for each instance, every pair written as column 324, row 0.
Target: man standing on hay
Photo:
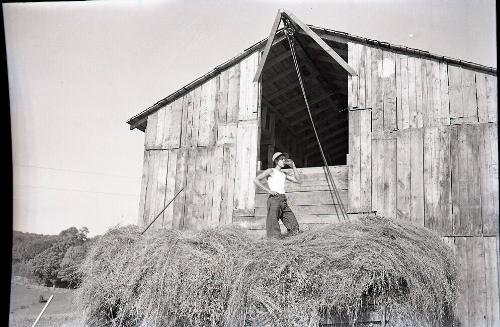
column 277, row 206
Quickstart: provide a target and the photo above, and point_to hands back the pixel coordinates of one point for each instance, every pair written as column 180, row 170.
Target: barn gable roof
column 139, row 121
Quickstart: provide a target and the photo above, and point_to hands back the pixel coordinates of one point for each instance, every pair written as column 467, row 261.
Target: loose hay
column 222, row 277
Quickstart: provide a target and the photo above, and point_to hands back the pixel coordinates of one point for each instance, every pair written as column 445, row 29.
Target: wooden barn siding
column 434, row 160
column 206, row 142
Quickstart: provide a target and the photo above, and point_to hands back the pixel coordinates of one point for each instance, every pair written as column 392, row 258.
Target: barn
column 406, row 134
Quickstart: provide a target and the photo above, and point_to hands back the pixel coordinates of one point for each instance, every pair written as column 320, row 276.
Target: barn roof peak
column 319, row 35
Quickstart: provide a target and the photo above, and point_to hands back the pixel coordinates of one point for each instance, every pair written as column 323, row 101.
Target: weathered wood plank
column 246, row 154
column 362, row 76
column 426, row 93
column 434, row 93
column 189, row 221
column 419, row 96
column 466, row 195
column 217, row 176
column 249, row 92
column 377, row 91
column 476, row 281
column 207, row 110
column 384, row 177
column 168, row 214
column 200, row 192
column 417, row 176
column 354, row 162
column 353, row 48
column 161, row 127
column 228, row 175
column 180, row 182
column 368, row 76
column 209, row 188
column 486, row 92
column 455, row 91
column 144, row 184
column 444, row 112
column 233, row 94
column 492, row 310
column 437, row 179
column 161, row 186
column 412, row 93
column 462, row 306
column 491, row 98
column 405, row 108
column 149, row 204
column 469, row 96
column 389, row 81
column 227, row 133
column 377, row 176
column 187, row 119
column 365, row 197
column 222, row 97
column 197, row 98
column 172, row 125
column 150, row 137
column 462, row 91
column 403, row 171
column 390, row 182
column 488, row 171
column 399, row 92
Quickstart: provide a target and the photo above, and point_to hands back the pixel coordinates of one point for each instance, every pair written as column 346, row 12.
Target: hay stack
column 222, row 277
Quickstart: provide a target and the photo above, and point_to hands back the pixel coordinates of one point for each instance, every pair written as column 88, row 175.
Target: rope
column 289, row 33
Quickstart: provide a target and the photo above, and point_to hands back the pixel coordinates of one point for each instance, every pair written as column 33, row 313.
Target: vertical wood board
column 389, row 81
column 437, row 179
column 417, row 176
column 466, row 195
column 488, row 175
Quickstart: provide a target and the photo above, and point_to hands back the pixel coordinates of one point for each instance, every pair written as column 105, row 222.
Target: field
column 25, row 307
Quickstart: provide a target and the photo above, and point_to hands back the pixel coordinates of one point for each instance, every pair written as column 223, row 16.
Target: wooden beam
column 285, row 73
column 269, row 43
column 315, row 113
column 325, row 126
column 311, row 103
column 339, row 119
column 328, row 37
column 290, row 87
column 320, row 42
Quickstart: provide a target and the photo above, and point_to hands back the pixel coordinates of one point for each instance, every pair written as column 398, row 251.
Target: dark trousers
column 277, row 208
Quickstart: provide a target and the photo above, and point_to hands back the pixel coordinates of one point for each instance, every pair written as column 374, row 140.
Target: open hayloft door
column 285, row 124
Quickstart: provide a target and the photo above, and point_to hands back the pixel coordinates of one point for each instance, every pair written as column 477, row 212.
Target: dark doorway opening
column 285, row 124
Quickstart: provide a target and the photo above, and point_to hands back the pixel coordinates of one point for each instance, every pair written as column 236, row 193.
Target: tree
column 47, row 264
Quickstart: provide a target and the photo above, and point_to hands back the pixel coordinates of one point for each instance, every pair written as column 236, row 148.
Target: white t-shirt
column 276, row 181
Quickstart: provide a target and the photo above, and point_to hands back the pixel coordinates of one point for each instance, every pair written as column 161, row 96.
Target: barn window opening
column 285, row 124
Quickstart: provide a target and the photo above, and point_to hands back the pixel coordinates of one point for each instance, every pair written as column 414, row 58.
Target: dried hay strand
column 222, row 277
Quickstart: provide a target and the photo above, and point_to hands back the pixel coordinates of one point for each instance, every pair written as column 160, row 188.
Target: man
column 277, row 206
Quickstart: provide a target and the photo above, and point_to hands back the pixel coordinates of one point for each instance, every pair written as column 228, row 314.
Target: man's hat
column 277, row 154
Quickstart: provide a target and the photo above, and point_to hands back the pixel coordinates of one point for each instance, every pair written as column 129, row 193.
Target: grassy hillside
column 25, row 307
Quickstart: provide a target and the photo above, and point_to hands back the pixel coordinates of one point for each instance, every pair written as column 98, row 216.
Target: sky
column 78, row 70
